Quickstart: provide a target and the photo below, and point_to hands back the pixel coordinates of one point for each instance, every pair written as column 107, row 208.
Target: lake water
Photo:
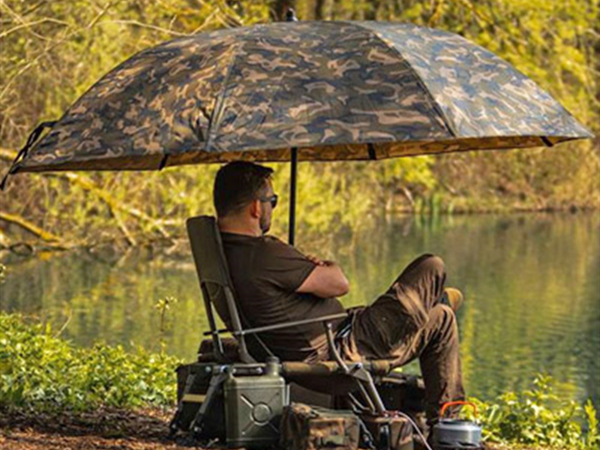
column 532, row 284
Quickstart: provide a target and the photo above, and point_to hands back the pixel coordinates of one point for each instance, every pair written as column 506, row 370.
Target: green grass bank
column 42, row 373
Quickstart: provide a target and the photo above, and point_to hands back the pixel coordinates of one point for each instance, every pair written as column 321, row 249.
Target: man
column 276, row 283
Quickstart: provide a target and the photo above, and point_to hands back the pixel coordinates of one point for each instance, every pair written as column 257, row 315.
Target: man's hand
column 314, row 259
column 320, row 262
column 326, row 280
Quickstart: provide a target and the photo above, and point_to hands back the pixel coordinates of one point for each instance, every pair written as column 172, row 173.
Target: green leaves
column 593, row 437
column 38, row 370
column 539, row 417
column 42, row 372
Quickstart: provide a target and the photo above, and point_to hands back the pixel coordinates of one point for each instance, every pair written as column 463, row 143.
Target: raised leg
column 409, row 322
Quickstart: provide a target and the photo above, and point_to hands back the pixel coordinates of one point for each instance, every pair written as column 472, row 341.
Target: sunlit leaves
column 41, row 371
column 540, row 417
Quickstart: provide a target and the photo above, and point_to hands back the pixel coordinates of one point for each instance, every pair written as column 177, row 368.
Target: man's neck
column 239, row 227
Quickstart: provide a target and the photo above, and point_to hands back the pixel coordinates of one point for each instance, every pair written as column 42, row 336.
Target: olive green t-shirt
column 266, row 273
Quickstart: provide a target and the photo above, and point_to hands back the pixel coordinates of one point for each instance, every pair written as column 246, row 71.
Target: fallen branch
column 28, row 226
column 128, row 236
column 114, row 205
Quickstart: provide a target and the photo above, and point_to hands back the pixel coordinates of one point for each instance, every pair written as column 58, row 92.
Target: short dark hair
column 237, row 184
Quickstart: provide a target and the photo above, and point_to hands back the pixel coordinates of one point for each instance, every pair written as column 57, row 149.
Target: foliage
column 41, row 371
column 593, row 438
column 163, row 306
column 2, row 273
column 52, row 52
column 538, row 417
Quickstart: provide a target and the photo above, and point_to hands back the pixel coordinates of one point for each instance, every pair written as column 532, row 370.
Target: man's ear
column 255, row 209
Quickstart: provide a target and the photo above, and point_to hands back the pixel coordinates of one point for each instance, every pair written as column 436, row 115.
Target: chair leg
column 363, row 377
column 174, row 424
column 366, row 380
column 215, row 383
column 366, row 397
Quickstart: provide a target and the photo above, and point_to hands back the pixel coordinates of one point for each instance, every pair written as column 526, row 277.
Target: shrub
column 39, row 370
column 539, row 417
column 43, row 372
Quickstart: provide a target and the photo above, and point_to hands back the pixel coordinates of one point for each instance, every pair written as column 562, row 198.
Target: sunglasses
column 272, row 200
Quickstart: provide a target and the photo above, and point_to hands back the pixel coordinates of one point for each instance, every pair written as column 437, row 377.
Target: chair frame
column 214, row 278
column 224, row 283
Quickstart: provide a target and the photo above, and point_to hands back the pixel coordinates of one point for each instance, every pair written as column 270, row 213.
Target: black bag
column 402, row 392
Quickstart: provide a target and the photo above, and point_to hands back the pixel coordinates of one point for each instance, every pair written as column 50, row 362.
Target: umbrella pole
column 293, row 178
column 290, row 16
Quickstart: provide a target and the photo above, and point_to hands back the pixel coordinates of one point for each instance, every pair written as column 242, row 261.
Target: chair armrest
column 279, row 326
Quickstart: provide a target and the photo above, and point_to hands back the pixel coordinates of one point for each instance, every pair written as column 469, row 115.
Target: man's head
column 243, row 192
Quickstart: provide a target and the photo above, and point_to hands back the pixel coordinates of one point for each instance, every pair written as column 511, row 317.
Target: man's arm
column 326, row 280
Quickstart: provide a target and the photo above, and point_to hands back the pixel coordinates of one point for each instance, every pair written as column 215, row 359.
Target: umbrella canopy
column 334, row 90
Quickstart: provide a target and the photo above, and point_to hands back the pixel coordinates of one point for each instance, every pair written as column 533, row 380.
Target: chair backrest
column 215, row 282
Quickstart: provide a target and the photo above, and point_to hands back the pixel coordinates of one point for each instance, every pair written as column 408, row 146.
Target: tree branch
column 28, row 226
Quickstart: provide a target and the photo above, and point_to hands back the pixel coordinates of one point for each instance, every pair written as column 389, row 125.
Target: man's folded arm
column 325, row 281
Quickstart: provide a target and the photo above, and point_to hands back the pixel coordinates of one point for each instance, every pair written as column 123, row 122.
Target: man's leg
column 438, row 349
column 426, row 275
column 407, row 322
column 402, row 310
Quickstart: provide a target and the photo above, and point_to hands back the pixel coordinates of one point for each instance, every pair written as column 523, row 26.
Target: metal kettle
column 456, row 434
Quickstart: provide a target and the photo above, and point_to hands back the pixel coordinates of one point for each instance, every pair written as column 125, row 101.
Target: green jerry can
column 253, row 407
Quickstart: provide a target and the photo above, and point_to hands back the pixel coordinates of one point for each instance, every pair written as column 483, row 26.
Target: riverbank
column 32, row 243
column 111, row 429
column 54, row 394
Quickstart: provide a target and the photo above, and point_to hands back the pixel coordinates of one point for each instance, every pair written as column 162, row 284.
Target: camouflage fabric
column 335, row 90
column 306, row 428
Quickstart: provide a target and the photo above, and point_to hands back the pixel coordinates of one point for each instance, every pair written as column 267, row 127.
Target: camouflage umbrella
column 331, row 90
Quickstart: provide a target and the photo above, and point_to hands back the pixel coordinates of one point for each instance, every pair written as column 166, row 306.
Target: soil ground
column 104, row 429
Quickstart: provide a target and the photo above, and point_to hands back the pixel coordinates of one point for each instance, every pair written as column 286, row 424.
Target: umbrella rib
column 217, row 111
column 449, row 126
column 372, row 152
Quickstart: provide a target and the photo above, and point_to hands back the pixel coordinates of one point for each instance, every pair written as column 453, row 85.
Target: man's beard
column 265, row 224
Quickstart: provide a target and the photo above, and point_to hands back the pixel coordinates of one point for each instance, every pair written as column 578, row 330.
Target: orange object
column 446, row 405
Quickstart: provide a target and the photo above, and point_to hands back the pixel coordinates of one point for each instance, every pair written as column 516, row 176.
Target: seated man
column 276, row 283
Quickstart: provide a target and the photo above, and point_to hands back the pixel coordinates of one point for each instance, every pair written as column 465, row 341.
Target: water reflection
column 532, row 283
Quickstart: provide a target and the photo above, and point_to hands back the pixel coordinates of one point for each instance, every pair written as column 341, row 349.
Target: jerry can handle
column 446, row 405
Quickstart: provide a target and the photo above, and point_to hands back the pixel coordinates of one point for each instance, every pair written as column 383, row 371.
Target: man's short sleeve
column 281, row 265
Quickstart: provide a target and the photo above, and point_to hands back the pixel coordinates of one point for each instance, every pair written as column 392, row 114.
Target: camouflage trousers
column 408, row 322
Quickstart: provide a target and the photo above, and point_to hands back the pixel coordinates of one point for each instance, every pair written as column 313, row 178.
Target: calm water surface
column 532, row 284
